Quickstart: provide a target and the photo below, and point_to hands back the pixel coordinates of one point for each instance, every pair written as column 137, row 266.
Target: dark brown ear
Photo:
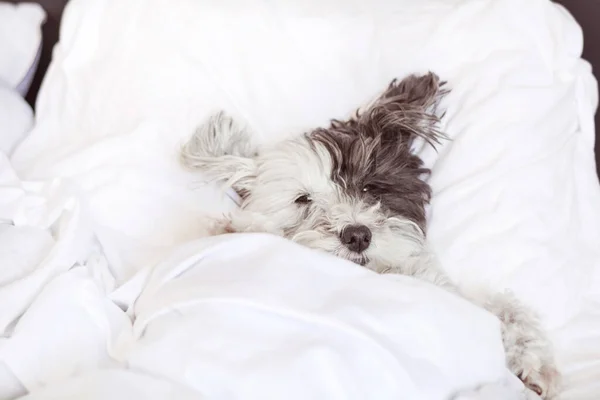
column 418, row 91
column 407, row 109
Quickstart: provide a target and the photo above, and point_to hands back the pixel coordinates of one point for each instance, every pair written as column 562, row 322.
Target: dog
column 357, row 190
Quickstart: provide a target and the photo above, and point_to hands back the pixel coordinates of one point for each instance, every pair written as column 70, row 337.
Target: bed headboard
column 587, row 12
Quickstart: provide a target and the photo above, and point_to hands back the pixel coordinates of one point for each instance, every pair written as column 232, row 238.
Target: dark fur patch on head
column 371, row 152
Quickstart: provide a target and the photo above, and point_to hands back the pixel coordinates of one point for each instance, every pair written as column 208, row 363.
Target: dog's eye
column 304, row 199
column 367, row 188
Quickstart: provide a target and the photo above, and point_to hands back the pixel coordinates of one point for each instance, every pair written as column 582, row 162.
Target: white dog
column 356, row 190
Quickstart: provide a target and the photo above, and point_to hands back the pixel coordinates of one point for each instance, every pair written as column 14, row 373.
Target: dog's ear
column 407, row 109
column 224, row 151
column 418, row 91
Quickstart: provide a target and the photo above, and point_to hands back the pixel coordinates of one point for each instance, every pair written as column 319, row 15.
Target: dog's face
column 349, row 196
column 353, row 189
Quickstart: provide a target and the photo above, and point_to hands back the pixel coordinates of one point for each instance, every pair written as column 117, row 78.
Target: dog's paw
column 528, row 351
column 241, row 221
column 544, row 380
column 220, row 227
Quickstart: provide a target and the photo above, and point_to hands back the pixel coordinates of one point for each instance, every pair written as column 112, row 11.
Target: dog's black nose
column 356, row 237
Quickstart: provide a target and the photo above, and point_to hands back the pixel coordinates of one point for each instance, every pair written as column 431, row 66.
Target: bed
column 105, row 239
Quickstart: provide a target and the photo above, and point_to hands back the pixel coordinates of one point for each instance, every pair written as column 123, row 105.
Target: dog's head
column 353, row 189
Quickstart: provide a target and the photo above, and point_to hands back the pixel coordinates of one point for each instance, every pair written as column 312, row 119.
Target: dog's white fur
column 270, row 181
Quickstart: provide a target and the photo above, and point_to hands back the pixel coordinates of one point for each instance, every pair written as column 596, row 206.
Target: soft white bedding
column 231, row 317
column 20, row 44
column 515, row 192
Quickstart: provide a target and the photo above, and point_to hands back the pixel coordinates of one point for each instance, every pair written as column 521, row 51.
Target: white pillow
column 16, row 119
column 20, row 47
column 20, row 43
column 515, row 191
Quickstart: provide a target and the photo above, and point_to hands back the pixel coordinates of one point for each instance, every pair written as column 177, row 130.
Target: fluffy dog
column 356, row 190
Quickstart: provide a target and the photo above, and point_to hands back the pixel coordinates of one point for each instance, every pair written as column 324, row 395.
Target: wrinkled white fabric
column 20, row 43
column 115, row 385
column 515, row 192
column 356, row 335
column 16, row 119
column 231, row 317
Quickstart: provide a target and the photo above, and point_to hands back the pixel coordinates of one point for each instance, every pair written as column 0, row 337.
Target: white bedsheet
column 515, row 192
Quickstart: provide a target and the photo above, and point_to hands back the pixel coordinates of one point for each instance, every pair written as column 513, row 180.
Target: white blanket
column 98, row 185
column 231, row 317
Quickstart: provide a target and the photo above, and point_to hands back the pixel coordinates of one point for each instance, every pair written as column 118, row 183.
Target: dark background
column 587, row 12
